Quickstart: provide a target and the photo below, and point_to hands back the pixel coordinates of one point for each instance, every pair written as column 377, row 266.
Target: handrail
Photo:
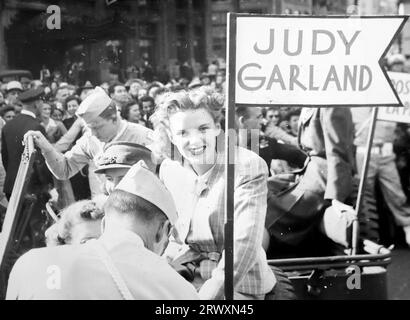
column 378, row 256
column 327, row 266
column 328, row 259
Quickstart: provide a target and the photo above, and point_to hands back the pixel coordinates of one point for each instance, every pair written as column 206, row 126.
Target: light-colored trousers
column 384, row 168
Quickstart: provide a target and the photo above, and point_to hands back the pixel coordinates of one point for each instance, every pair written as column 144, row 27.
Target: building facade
column 217, row 46
column 102, row 36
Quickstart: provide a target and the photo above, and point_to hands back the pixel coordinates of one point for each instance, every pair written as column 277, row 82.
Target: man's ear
column 103, row 224
column 116, row 118
column 241, row 121
column 169, row 134
column 218, row 129
column 163, row 230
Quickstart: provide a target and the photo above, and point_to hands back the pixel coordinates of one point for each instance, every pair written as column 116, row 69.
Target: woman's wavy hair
column 84, row 210
column 182, row 100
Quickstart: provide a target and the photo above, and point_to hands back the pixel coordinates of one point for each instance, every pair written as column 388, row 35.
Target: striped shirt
column 200, row 201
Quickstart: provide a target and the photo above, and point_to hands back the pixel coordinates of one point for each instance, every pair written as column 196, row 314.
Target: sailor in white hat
column 124, row 263
column 13, row 89
column 103, row 124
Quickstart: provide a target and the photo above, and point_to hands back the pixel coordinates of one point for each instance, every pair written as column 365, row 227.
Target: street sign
column 304, row 61
column 401, row 82
column 313, row 61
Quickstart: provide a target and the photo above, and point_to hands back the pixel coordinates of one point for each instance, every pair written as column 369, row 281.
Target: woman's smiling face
column 194, row 133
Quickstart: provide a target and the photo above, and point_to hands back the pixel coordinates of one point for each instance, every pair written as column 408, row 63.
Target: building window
column 147, row 30
column 198, row 5
column 219, row 18
column 219, row 44
column 181, row 4
column 219, row 31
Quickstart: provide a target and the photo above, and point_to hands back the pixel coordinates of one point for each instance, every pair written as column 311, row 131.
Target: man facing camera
column 118, row 157
column 103, row 125
column 124, row 263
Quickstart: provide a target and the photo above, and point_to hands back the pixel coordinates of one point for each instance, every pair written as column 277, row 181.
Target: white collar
column 116, row 235
column 121, row 130
column 28, row 113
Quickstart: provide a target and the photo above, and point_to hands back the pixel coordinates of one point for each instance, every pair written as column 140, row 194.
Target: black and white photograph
column 218, row 151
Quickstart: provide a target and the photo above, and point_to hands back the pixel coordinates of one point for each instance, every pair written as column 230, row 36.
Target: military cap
column 121, row 154
column 92, row 106
column 204, row 75
column 14, row 85
column 87, row 85
column 140, row 181
column 31, row 95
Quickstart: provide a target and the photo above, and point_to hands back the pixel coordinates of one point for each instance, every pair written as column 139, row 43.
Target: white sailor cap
column 94, row 105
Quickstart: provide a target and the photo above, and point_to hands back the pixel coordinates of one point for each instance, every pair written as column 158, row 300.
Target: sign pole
column 16, row 201
column 230, row 156
column 359, row 201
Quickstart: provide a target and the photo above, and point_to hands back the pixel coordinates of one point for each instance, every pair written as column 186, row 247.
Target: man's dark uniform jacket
column 295, row 200
column 12, row 149
column 270, row 148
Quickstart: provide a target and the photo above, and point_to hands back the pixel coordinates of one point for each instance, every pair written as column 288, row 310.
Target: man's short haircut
column 242, row 111
column 5, row 109
column 123, row 202
column 111, row 88
column 272, row 109
column 145, row 99
column 110, row 112
column 293, row 113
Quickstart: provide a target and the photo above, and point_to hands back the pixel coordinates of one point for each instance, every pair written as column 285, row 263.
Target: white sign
column 316, row 61
column 401, row 82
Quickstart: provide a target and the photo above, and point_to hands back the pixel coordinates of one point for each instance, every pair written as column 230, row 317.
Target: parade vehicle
column 338, row 275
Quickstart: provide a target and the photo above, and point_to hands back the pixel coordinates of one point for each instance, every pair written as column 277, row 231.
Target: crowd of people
column 134, row 171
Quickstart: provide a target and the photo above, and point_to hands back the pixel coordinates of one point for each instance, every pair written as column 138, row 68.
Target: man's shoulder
column 13, row 124
column 167, row 277
column 87, row 138
column 136, row 127
column 247, row 161
column 54, row 251
column 137, row 133
column 246, row 157
column 40, row 259
column 22, row 123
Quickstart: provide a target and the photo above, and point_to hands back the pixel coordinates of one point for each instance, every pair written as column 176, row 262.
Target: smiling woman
column 189, row 121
